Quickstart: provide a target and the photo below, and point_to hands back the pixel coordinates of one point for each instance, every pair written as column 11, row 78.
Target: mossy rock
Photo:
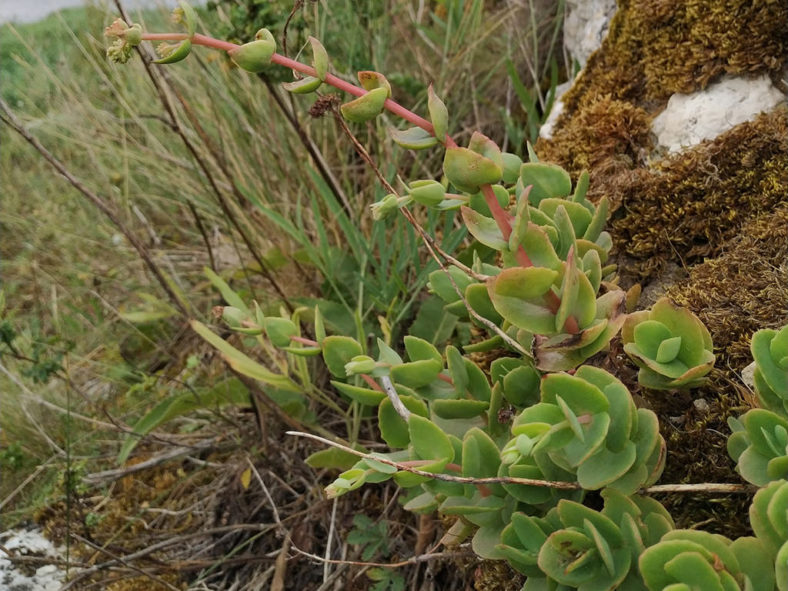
column 718, row 210
column 656, row 49
column 688, row 206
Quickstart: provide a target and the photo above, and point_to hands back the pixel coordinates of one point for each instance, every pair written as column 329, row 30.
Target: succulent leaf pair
column 671, row 346
column 759, row 446
column 769, row 519
column 525, row 297
column 770, row 351
column 575, row 547
column 481, row 163
column 586, row 427
column 685, row 560
column 319, row 63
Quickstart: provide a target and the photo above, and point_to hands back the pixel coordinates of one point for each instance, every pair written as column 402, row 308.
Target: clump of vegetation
column 514, row 453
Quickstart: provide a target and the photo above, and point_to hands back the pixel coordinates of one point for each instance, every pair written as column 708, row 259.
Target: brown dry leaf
column 280, row 568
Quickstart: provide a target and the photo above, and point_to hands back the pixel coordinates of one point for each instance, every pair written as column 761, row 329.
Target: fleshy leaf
column 413, row 138
column 365, row 107
column 439, row 115
column 338, row 351
column 428, row 440
column 518, row 295
column 468, row 170
column 303, row 86
column 483, row 228
column 548, row 180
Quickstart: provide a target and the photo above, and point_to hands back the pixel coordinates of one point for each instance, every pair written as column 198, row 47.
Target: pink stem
column 305, row 341
column 502, row 218
column 286, row 62
column 372, row 383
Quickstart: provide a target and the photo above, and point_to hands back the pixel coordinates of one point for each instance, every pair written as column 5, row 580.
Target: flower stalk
column 501, row 217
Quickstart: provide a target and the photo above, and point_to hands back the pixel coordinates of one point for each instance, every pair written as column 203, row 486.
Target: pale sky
column 33, row 10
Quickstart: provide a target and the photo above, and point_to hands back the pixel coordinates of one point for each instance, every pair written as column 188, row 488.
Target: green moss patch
column 655, row 49
column 689, row 205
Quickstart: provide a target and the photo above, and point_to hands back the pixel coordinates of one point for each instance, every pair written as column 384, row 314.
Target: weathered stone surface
column 585, row 26
column 689, row 119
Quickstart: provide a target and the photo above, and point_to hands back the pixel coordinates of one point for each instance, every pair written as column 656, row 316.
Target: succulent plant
column 255, row 56
column 770, row 351
column 479, row 164
column 575, row 547
column 769, row 519
column 671, row 346
column 685, row 560
column 759, row 446
column 585, row 427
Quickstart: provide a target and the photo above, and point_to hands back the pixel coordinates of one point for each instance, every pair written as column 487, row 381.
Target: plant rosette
column 686, row 560
column 769, row 519
column 770, row 352
column 759, row 445
column 575, row 547
column 586, row 428
column 671, row 346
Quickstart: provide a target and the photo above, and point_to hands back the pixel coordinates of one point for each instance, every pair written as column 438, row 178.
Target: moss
column 689, row 205
column 496, row 575
column 659, row 47
column 605, row 136
column 743, row 290
column 655, row 48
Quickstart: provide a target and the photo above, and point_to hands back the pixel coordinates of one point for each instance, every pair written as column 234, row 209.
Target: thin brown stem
column 203, row 233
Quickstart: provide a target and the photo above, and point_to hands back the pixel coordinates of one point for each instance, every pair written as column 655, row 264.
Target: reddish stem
column 305, row 341
column 372, row 383
column 446, row 378
column 502, row 218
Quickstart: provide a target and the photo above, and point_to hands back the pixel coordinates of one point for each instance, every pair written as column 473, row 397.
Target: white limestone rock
column 546, row 130
column 29, row 543
column 689, row 119
column 585, row 26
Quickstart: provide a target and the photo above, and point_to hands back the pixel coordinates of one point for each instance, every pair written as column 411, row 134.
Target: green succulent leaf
column 366, row 107
column 393, row 429
column 279, row 330
column 338, row 351
column 413, row 138
column 185, row 14
column 768, row 350
column 428, row 440
column 467, row 169
column 416, row 374
column 511, row 167
column 303, row 86
column 483, row 228
column 480, row 455
column 365, row 396
column 319, row 58
column 440, row 283
column 173, row 54
column 439, row 115
column 605, row 467
column 548, row 180
column 459, row 409
column 256, row 55
column 518, row 295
